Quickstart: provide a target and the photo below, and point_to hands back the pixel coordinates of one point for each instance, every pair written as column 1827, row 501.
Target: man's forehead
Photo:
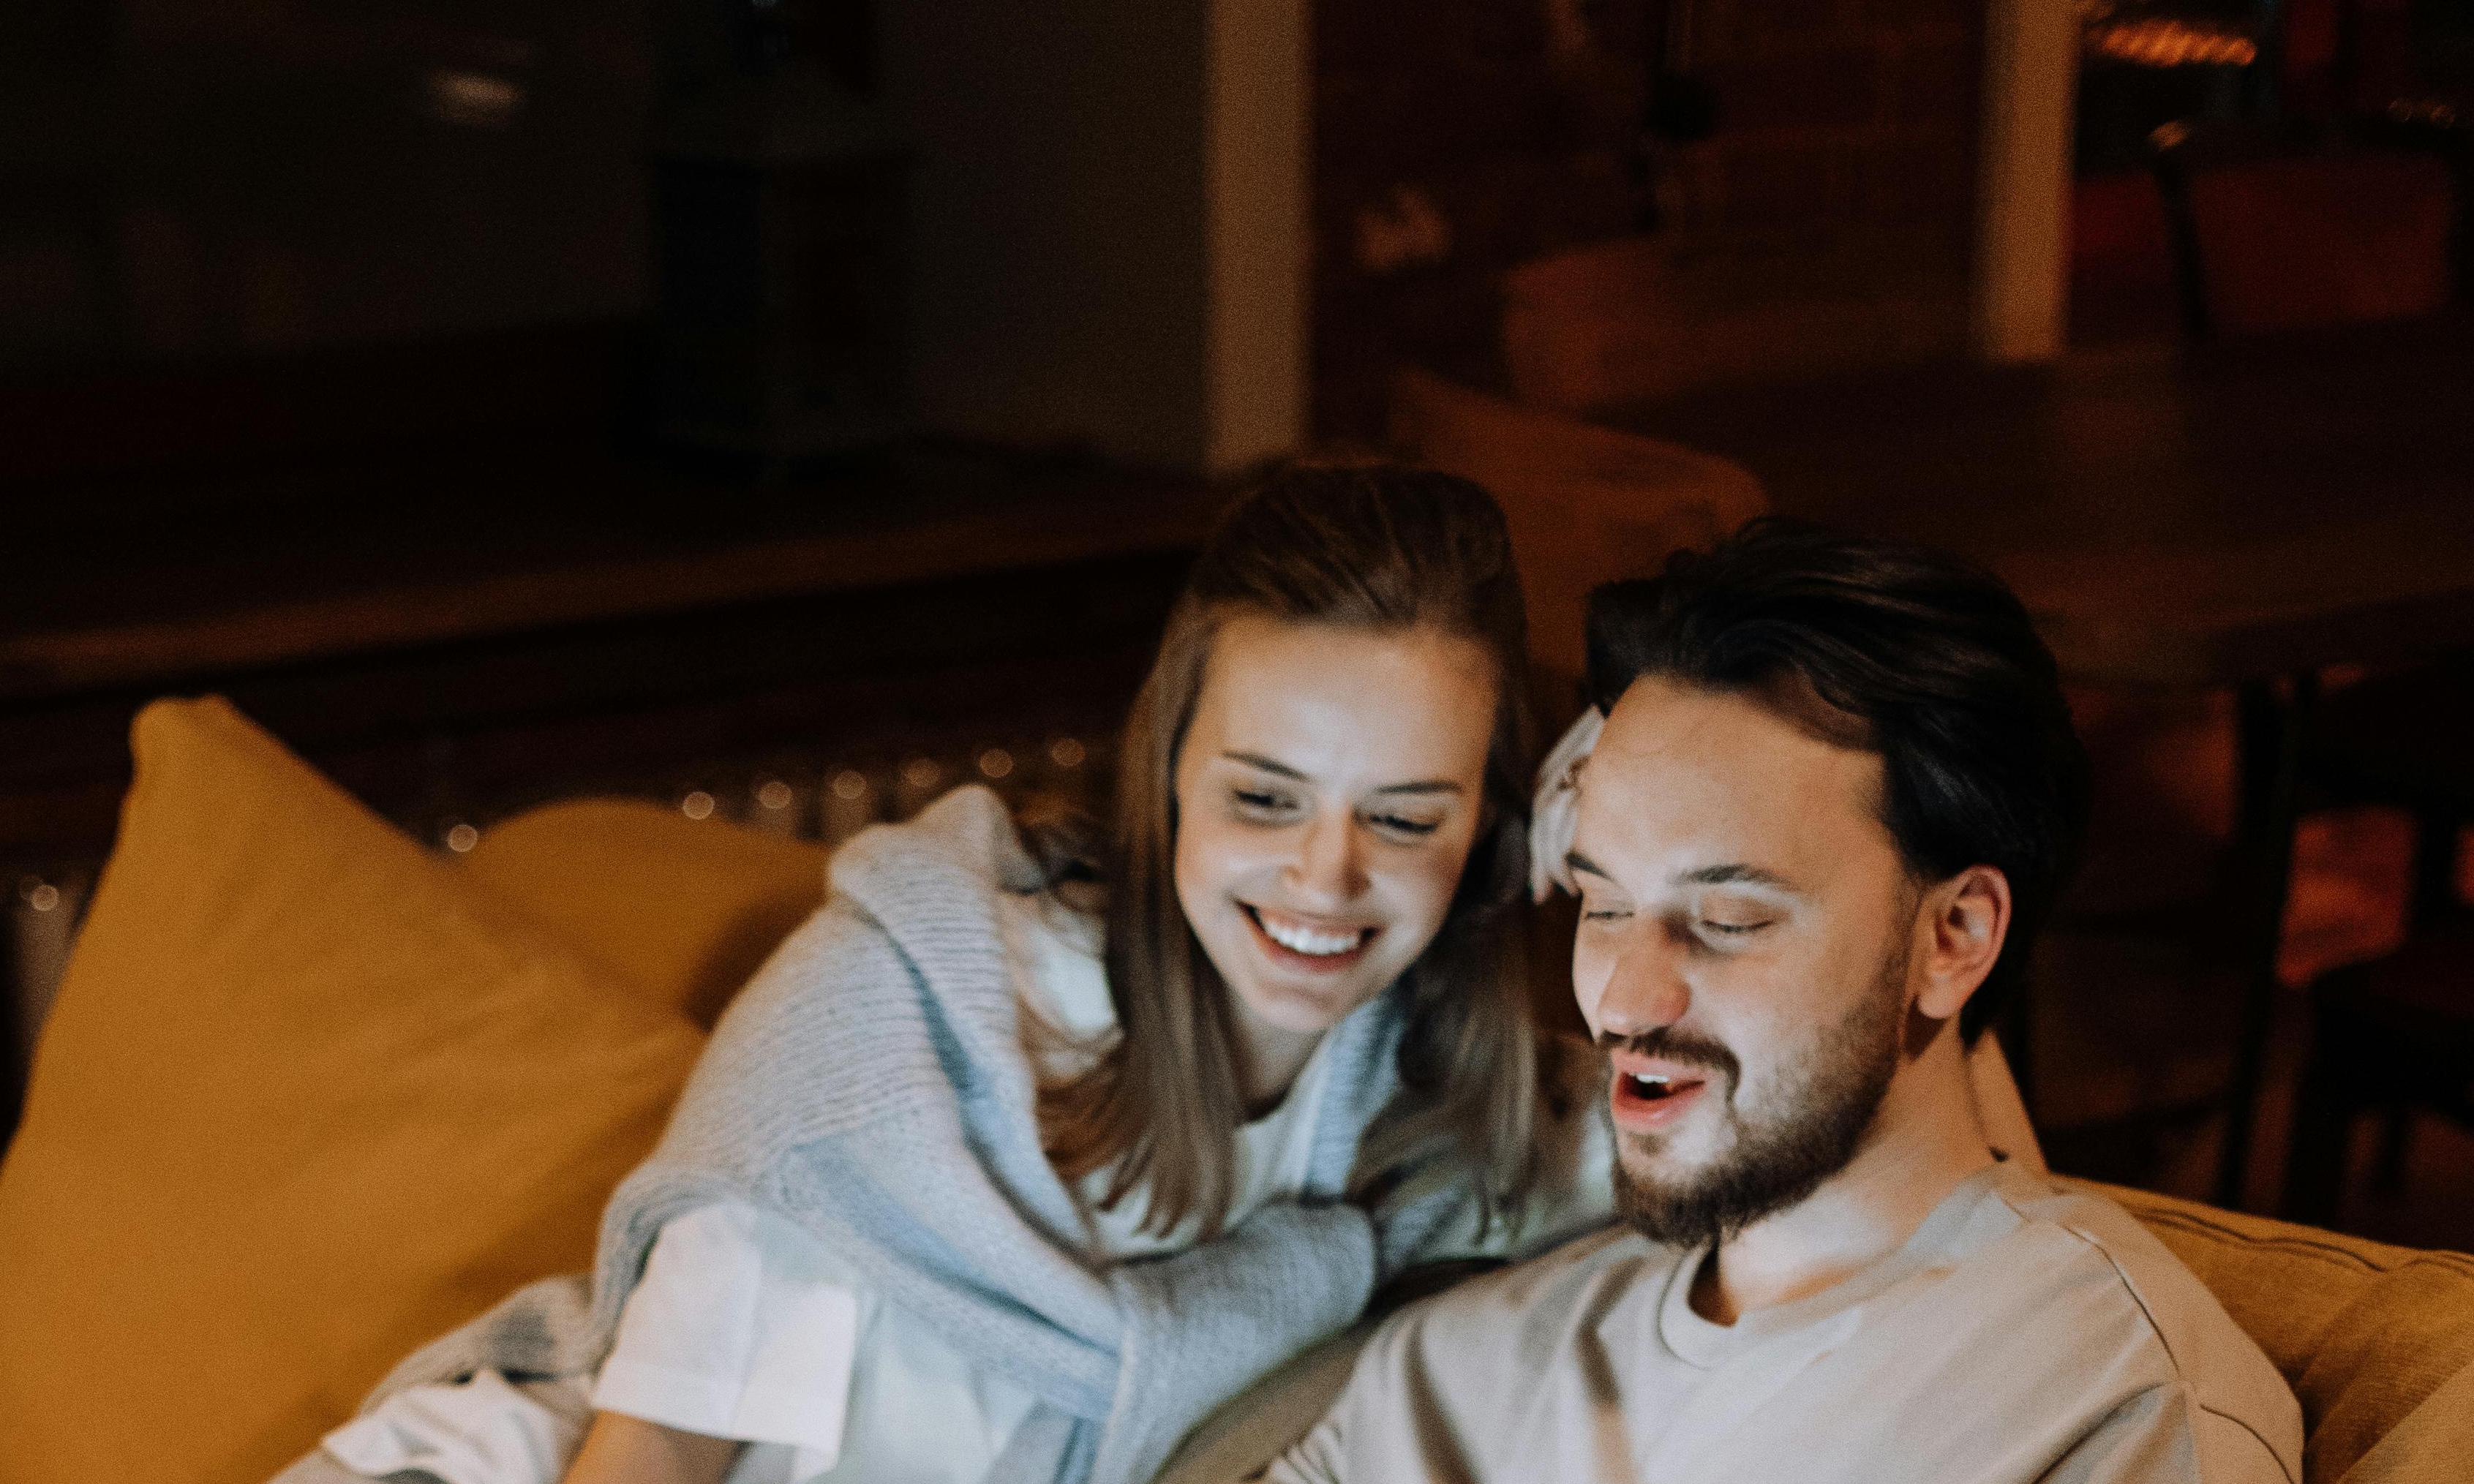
column 1696, row 772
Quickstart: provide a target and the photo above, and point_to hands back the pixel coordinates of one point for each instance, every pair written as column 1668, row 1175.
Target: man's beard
column 1777, row 1158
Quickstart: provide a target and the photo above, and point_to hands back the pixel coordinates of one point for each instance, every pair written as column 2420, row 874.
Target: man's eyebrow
column 1706, row 876
column 1581, row 865
column 1430, row 786
column 1733, row 875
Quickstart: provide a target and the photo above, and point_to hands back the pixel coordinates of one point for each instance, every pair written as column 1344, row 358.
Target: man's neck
column 1925, row 1139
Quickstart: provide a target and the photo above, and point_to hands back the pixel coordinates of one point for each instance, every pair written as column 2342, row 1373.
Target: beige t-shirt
column 2026, row 1331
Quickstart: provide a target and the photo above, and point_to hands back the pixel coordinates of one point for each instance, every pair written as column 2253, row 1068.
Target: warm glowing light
column 1065, row 752
column 2171, row 41
column 996, row 763
column 43, row 896
column 476, row 100
column 850, row 784
column 461, row 838
column 2434, row 113
column 921, row 772
column 697, row 805
column 774, row 794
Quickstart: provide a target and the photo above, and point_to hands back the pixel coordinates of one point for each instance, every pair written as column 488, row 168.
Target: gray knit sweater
column 871, row 1086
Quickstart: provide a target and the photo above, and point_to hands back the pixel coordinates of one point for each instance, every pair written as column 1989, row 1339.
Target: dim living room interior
column 773, row 413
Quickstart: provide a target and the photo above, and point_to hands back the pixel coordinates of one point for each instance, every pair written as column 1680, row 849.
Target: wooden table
column 2238, row 517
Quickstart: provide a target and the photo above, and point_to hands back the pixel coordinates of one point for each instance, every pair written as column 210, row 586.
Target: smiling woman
column 1270, row 1035
column 1327, row 771
column 1328, row 791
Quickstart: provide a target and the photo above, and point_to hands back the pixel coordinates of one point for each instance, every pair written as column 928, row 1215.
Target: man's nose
column 1328, row 872
column 1645, row 990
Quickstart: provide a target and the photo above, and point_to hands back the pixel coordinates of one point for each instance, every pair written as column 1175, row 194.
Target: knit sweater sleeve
column 1204, row 1325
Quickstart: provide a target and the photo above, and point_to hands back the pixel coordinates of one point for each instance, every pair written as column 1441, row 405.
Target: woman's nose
column 1644, row 993
column 1326, row 871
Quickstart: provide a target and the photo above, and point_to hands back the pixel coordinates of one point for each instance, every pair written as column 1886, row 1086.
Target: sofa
column 311, row 1093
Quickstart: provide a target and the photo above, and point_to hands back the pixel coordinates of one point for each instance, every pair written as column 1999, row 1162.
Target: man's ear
column 1962, row 924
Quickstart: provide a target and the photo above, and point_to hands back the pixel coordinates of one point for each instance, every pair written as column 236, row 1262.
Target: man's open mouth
column 1645, row 1099
column 1655, row 1089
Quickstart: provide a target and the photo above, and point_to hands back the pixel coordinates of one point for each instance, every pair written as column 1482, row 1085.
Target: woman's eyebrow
column 1426, row 786
column 1258, row 760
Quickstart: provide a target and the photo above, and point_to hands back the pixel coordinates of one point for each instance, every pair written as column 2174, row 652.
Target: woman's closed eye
column 1406, row 826
column 1262, row 803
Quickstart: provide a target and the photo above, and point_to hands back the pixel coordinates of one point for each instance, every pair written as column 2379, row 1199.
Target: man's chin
column 1659, row 1161
column 1703, row 1143
column 1680, row 1202
column 1667, row 1203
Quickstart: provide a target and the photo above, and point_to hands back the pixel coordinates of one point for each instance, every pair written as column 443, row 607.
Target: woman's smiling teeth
column 1298, row 938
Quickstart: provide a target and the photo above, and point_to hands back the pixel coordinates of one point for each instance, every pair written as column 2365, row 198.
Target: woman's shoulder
column 966, row 837
column 1026, row 876
column 1061, row 971
column 945, row 910
column 838, row 992
column 973, row 843
column 938, row 885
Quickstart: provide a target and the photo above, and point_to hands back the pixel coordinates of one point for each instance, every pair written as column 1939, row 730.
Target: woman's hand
column 623, row 1449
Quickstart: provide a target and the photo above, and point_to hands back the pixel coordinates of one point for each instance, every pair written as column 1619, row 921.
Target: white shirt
column 744, row 1326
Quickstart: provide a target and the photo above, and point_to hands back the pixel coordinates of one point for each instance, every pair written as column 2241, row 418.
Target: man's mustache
column 1670, row 1043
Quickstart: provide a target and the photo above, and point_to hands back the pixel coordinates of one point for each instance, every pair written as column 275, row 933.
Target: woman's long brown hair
column 1374, row 547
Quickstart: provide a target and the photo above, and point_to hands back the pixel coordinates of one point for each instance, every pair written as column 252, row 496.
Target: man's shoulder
column 2089, row 1265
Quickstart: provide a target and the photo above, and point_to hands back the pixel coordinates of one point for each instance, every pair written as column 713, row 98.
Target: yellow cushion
column 2375, row 1340
column 683, row 910
column 307, row 1098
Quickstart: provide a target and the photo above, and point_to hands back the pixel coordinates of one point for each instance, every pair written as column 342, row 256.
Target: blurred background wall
column 236, row 175
column 1110, row 203
column 246, row 177
column 1797, row 161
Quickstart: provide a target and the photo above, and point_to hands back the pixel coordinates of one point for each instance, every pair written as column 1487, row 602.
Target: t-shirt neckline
column 1935, row 1242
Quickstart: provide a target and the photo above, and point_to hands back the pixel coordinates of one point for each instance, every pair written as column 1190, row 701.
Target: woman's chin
column 1300, row 1009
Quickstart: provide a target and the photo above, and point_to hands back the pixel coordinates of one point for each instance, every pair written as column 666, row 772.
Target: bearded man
column 1834, row 795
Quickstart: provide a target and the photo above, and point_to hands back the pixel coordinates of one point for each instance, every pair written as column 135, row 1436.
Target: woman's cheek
column 1425, row 889
column 1188, row 860
column 1219, row 862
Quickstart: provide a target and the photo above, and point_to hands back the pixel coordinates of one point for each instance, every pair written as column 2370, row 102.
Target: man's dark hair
column 1928, row 662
